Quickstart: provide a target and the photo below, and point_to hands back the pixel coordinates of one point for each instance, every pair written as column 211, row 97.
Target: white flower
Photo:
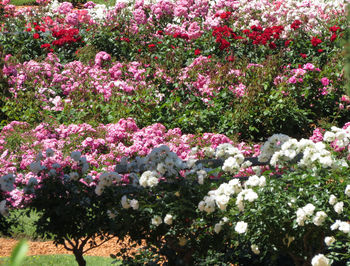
column 319, row 218
column 168, row 219
column 253, row 181
column 3, row 208
column 32, row 181
column 250, row 195
column 111, row 214
column 255, row 249
column 99, row 190
column 149, row 179
column 6, row 182
column 332, row 199
column 75, row 155
column 217, row 228
column 156, row 220
column 152, row 181
column 134, row 204
column 241, row 227
column 309, row 209
column 344, row 227
column 347, row 190
column 329, row 136
column 74, row 176
column 339, row 207
column 49, row 152
column 125, row 202
column 329, row 240
column 336, row 225
column 35, row 167
column 221, row 201
column 320, row 260
column 201, row 205
column 301, row 217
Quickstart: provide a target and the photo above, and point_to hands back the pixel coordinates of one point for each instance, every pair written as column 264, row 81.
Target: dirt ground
column 47, row 248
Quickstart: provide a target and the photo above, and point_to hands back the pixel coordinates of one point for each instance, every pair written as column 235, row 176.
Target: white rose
column 344, row 227
column 329, row 240
column 241, row 227
column 3, row 208
column 125, row 202
column 134, row 204
column 35, row 167
column 319, row 218
column 49, row 152
column 168, row 219
column 217, row 228
column 347, row 190
column 320, row 260
column 75, row 155
column 221, row 201
column 152, row 181
column 339, row 207
column 156, row 220
column 309, row 209
column 332, row 199
column 255, row 249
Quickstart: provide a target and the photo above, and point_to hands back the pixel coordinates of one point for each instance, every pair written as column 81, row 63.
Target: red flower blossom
column 272, row 45
column 296, row 24
column 333, row 37
column 303, row 55
column 287, row 42
column 230, row 58
column 28, row 29
column 334, row 28
column 150, row 46
column 197, row 52
column 315, row 41
column 36, row 36
column 320, row 50
column 45, row 45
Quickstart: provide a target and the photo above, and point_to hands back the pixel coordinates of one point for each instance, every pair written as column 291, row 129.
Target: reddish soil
column 47, row 248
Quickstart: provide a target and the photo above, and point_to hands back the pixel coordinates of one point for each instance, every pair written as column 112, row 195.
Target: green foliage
column 18, row 254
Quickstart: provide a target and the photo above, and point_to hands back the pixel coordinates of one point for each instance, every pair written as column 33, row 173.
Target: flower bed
column 138, row 86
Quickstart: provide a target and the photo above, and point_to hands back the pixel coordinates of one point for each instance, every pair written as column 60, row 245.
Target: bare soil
column 48, row 248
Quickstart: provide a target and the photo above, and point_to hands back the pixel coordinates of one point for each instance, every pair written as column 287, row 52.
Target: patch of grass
column 61, row 260
column 23, row 2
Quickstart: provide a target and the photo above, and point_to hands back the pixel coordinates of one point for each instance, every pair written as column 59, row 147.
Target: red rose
column 230, row 58
column 197, row 52
column 151, row 46
column 303, row 55
column 28, row 29
column 333, row 37
column 45, row 45
column 315, row 41
column 320, row 50
column 334, row 28
column 296, row 24
column 287, row 42
column 36, row 36
column 272, row 45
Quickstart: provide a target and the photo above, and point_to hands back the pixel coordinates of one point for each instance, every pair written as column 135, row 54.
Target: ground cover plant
column 105, row 118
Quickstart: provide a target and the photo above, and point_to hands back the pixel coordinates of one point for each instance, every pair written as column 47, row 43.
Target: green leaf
column 19, row 253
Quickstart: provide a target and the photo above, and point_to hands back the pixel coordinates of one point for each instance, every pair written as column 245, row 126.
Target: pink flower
column 325, row 81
